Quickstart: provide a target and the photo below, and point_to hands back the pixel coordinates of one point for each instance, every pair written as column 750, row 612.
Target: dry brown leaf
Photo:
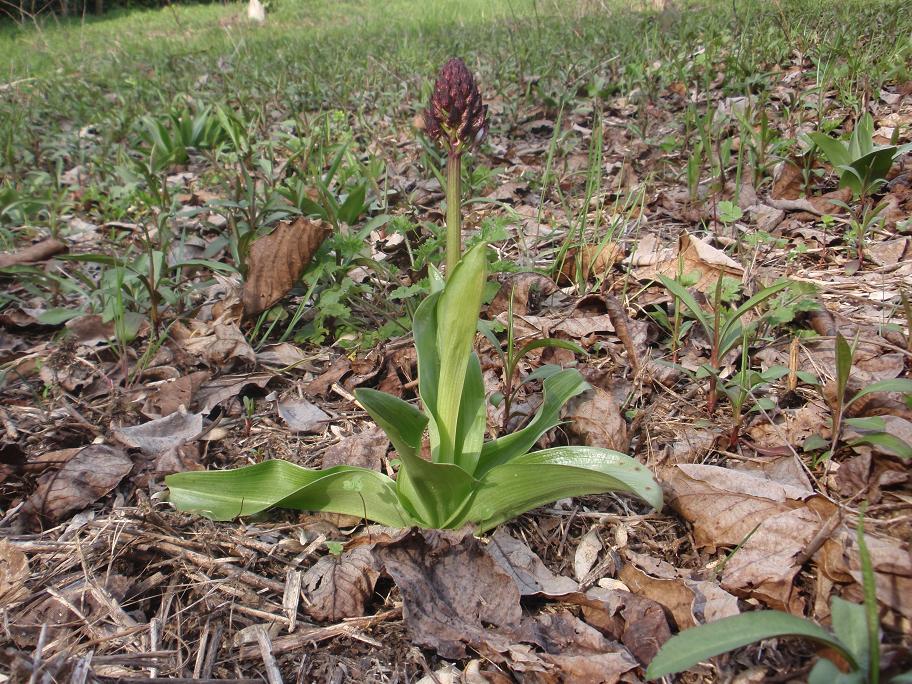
column 695, row 258
column 214, row 392
column 14, row 571
column 638, row 622
column 320, row 385
column 454, row 594
column 84, row 479
column 589, row 261
column 769, row 519
column 302, row 416
column 282, row 354
column 365, row 450
column 158, row 436
column 29, row 255
column 276, row 261
column 218, row 344
column 339, row 587
column 587, row 553
column 788, row 181
column 595, row 419
column 526, row 568
column 689, row 601
column 524, row 288
column 169, row 396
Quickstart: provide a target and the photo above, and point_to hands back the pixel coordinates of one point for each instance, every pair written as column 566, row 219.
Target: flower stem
column 454, row 212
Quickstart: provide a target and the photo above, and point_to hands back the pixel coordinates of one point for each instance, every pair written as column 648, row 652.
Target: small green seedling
column 871, row 428
column 723, row 327
column 863, row 165
column 511, row 355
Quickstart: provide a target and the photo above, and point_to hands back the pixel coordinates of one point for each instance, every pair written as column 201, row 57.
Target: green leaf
column 402, row 422
column 444, row 339
column 436, row 492
column 826, row 672
column 550, row 342
column 705, row 641
column 353, row 205
column 886, row 442
column 902, row 385
column 227, row 494
column 843, row 366
column 688, row 300
column 749, row 305
column 470, row 430
column 535, row 479
column 557, row 391
column 872, row 423
column 57, row 316
column 850, row 627
column 836, row 151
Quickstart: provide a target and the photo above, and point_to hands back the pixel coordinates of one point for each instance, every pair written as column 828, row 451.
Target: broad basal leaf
column 402, row 422
column 558, row 390
column 227, row 494
column 532, row 480
column 699, row 643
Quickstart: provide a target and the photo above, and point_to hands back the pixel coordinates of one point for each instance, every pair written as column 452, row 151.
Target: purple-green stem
column 454, row 211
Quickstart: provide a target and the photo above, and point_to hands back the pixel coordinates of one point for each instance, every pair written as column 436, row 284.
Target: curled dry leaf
column 84, row 479
column 595, row 419
column 587, row 553
column 698, row 258
column 454, row 594
column 158, row 436
column 37, row 252
column 276, row 261
column 689, row 601
column 524, row 288
column 365, row 449
column 339, row 587
column 526, row 568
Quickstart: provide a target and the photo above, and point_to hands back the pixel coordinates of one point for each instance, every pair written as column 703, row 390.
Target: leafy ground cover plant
column 467, row 480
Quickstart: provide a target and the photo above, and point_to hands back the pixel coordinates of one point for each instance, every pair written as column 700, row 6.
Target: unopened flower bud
column 456, row 115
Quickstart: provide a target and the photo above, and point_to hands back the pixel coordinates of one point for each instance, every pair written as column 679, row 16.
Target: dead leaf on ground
column 769, row 519
column 587, row 553
column 528, row 571
column 29, row 255
column 84, row 479
column 695, row 258
column 282, row 354
column 170, row 395
column 158, row 436
column 690, row 601
column 589, row 261
column 525, row 288
column 365, row 450
column 320, row 385
column 276, row 261
column 215, row 391
column 595, row 419
column 300, row 415
column 455, row 596
column 339, row 587
column 14, row 571
column 219, row 344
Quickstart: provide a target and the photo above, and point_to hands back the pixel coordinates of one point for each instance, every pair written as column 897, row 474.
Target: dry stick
column 269, row 662
column 208, row 563
column 297, row 641
column 618, row 319
column 37, row 252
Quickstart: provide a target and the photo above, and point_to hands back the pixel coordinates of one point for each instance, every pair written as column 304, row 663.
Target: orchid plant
column 466, row 480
